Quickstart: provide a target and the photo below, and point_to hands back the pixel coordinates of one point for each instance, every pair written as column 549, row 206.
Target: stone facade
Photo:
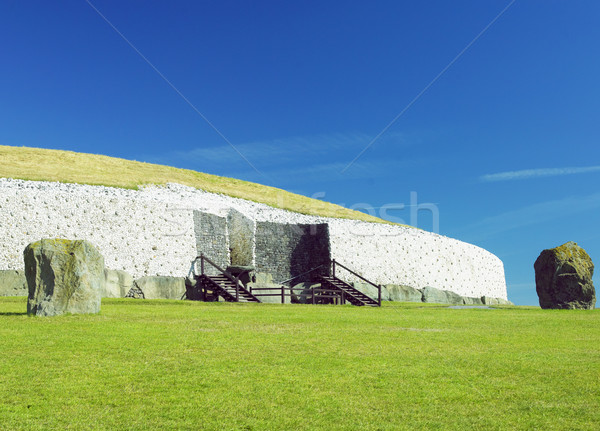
column 158, row 231
column 211, row 239
column 242, row 239
column 288, row 250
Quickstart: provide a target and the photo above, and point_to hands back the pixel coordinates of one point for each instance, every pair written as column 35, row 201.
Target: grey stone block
column 468, row 300
column 371, row 291
column 439, row 296
column 402, row 293
column 117, row 283
column 488, row 300
column 160, row 287
column 13, row 283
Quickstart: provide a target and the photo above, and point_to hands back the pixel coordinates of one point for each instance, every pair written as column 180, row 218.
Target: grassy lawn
column 189, row 365
column 38, row 164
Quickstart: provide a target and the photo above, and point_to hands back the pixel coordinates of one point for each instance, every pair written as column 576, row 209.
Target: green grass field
column 191, row 365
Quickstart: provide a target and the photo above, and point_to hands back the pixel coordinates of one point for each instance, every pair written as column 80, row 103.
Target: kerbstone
column 13, row 283
column 468, row 300
column 161, row 287
column 63, row 276
column 440, row 296
column 488, row 300
column 371, row 291
column 117, row 284
column 402, row 293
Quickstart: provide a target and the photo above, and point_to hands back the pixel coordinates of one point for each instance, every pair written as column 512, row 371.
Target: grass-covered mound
column 190, row 365
column 38, row 164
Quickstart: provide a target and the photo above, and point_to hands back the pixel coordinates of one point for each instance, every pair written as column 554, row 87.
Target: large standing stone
column 63, row 276
column 161, row 287
column 563, row 278
column 13, row 283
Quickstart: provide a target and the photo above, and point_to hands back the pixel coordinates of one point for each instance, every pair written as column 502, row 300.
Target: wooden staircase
column 223, row 286
column 231, row 289
column 350, row 294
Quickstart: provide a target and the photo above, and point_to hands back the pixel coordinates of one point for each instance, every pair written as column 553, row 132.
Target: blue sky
column 504, row 142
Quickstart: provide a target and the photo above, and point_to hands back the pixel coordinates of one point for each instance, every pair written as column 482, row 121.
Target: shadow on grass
column 13, row 314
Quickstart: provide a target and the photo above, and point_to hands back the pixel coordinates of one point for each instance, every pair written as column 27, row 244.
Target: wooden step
column 354, row 296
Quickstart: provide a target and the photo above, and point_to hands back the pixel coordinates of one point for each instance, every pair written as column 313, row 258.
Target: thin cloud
column 531, row 215
column 537, row 173
column 321, row 172
column 282, row 153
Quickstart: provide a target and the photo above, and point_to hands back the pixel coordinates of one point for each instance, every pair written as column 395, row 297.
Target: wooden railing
column 334, row 264
column 286, row 291
column 315, row 294
column 235, row 280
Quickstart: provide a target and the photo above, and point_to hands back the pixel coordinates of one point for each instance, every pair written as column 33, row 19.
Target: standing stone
column 63, row 276
column 563, row 278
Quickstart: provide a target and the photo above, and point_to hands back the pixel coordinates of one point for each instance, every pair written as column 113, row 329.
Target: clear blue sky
column 505, row 142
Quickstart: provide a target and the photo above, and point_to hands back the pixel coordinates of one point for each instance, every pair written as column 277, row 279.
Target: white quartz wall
column 151, row 232
column 387, row 254
column 134, row 231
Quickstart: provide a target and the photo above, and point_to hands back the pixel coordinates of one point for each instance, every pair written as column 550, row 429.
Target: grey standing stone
column 63, row 276
column 563, row 278
column 13, row 283
column 161, row 287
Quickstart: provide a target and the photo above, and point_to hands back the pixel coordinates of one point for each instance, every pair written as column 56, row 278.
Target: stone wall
column 133, row 230
column 159, row 230
column 241, row 238
column 211, row 239
column 413, row 257
column 288, row 250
